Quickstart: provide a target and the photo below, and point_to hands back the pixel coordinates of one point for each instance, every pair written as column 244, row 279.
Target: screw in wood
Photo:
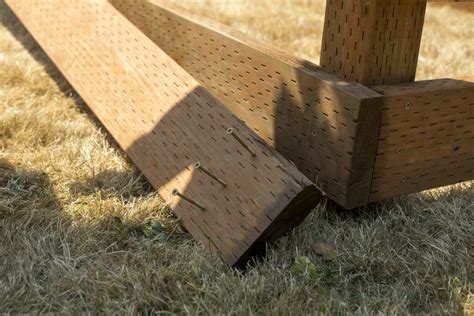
column 403, row 179
column 175, row 192
column 408, row 105
column 230, row 131
column 198, row 166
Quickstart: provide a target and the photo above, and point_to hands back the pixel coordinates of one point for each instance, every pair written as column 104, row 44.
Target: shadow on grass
column 45, row 253
column 125, row 184
column 27, row 196
column 25, row 190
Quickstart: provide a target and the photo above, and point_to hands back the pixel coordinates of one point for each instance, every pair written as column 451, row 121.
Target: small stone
column 325, row 249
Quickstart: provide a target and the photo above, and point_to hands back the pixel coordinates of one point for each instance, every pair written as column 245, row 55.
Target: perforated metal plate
column 166, row 122
column 327, row 127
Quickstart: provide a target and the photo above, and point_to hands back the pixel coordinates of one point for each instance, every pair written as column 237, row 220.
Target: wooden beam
column 374, row 41
column 166, row 122
column 327, row 127
column 426, row 138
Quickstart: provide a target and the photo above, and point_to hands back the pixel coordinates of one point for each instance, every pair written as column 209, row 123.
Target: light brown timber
column 166, row 122
column 372, row 41
column 426, row 137
column 326, row 126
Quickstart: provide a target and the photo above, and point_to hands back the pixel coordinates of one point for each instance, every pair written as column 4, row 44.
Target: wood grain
column 426, row 138
column 373, row 41
column 327, row 127
column 166, row 121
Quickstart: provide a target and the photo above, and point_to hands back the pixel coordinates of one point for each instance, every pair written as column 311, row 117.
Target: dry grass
column 71, row 206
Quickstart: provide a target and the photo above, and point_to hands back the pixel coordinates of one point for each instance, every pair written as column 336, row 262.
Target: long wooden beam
column 327, row 127
column 426, row 138
column 242, row 193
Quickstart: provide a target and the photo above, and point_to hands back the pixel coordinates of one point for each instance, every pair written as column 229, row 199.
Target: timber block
column 326, row 126
column 373, row 41
column 231, row 190
column 426, row 138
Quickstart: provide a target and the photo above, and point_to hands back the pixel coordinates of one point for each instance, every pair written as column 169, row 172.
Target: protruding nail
column 231, row 131
column 198, row 166
column 175, row 192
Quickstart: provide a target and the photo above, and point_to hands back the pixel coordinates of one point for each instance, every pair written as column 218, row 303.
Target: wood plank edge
column 291, row 216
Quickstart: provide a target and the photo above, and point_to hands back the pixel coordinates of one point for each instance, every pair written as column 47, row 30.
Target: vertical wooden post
column 373, row 41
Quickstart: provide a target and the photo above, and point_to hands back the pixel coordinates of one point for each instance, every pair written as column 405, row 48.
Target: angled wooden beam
column 426, row 138
column 326, row 126
column 374, row 41
column 167, row 122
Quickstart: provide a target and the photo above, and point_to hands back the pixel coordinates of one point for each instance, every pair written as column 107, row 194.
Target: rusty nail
column 175, row 192
column 230, row 131
column 198, row 166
